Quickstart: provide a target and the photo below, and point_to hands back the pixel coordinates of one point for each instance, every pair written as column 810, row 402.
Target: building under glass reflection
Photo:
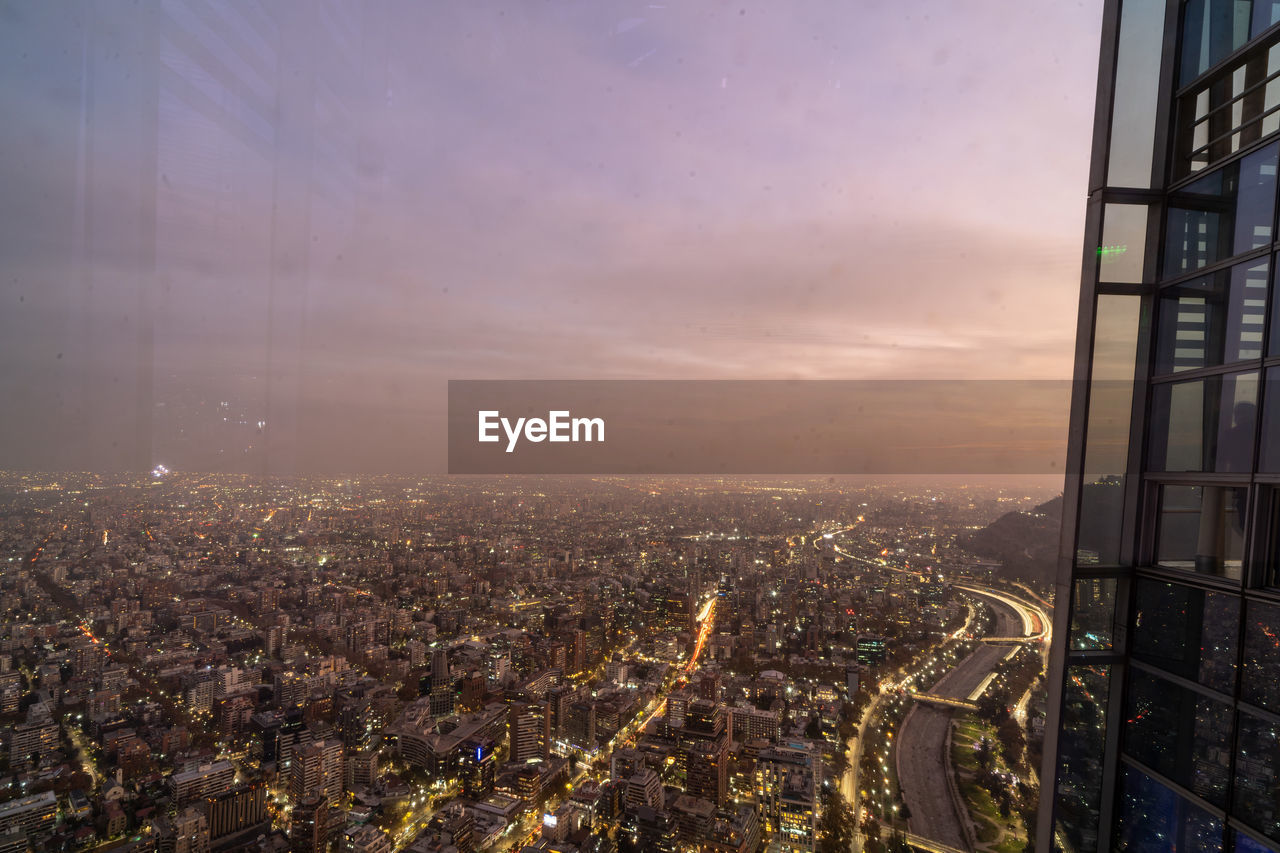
column 1164, row 729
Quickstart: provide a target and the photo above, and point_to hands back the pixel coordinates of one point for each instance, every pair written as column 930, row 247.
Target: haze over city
column 488, row 190
column 259, row 592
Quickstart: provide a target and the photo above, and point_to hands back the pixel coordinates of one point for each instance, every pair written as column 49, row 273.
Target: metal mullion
column 1243, row 94
column 1186, row 793
column 1241, row 828
column 1208, row 583
column 1188, row 684
column 1210, row 168
column 1241, row 616
column 1253, row 364
column 1099, row 572
column 1261, row 713
column 1196, row 478
column 1217, row 266
column 1264, row 594
column 1221, row 67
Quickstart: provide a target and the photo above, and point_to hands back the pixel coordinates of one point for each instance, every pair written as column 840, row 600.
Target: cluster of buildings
column 195, row 664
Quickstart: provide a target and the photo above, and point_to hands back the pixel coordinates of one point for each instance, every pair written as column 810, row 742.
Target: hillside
column 1026, row 543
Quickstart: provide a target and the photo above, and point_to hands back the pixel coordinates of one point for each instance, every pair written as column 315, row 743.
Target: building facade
column 1164, row 710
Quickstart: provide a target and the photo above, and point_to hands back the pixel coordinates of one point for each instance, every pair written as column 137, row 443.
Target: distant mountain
column 1026, row 543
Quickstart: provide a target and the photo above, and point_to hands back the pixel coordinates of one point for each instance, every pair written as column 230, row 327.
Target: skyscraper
column 1164, row 714
column 443, row 698
column 704, row 750
column 317, row 772
column 530, row 728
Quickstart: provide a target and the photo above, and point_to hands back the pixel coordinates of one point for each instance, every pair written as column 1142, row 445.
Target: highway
column 921, row 749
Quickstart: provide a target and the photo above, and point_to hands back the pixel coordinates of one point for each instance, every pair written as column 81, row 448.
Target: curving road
column 921, row 750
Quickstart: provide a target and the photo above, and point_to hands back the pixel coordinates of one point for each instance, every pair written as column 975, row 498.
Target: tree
column 993, row 706
column 1012, row 742
column 835, row 830
column 984, row 754
column 871, row 832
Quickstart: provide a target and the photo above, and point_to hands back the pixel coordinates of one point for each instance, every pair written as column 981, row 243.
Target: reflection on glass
column 1258, row 775
column 1137, row 87
column 1204, row 424
column 1213, row 29
column 1202, row 529
column 1269, row 451
column 1225, row 213
column 1229, row 111
column 1187, row 631
column 1154, row 819
column 1179, row 734
column 1268, row 554
column 1093, row 613
column 1245, row 844
column 1124, row 237
column 1106, row 453
column 1080, row 754
column 1259, row 683
column 1214, row 319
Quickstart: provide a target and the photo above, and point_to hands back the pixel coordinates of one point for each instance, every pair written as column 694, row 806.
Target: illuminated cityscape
column 278, row 275
column 201, row 662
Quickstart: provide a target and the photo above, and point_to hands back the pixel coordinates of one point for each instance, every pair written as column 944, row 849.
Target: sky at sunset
column 269, row 251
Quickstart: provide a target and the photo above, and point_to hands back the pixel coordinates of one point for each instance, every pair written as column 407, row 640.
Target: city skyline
column 620, row 665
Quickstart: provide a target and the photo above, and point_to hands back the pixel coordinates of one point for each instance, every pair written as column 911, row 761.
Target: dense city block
column 195, row 663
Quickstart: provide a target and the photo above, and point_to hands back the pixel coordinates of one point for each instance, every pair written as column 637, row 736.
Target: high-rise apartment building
column 704, row 751
column 786, row 788
column 203, row 780
column 1164, row 712
column 317, row 771
column 236, row 810
column 530, row 730
column 443, row 698
column 31, row 741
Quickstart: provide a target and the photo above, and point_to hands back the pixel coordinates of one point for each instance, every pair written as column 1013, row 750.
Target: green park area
column 983, row 777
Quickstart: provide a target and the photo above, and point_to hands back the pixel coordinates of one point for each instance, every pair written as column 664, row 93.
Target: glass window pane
column 1124, row 238
column 1202, row 529
column 1106, row 455
column 1186, row 631
column 1212, row 29
column 1205, row 424
column 1179, row 734
column 1245, row 844
column 1080, row 754
column 1093, row 613
column 1266, row 13
column 1258, row 775
column 1267, row 556
column 1259, row 684
column 1211, row 320
column 1222, row 214
column 1137, row 88
column 1228, row 111
column 1153, row 819
column 1269, row 452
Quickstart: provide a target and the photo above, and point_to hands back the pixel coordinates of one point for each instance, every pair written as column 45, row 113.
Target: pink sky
column 534, row 190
